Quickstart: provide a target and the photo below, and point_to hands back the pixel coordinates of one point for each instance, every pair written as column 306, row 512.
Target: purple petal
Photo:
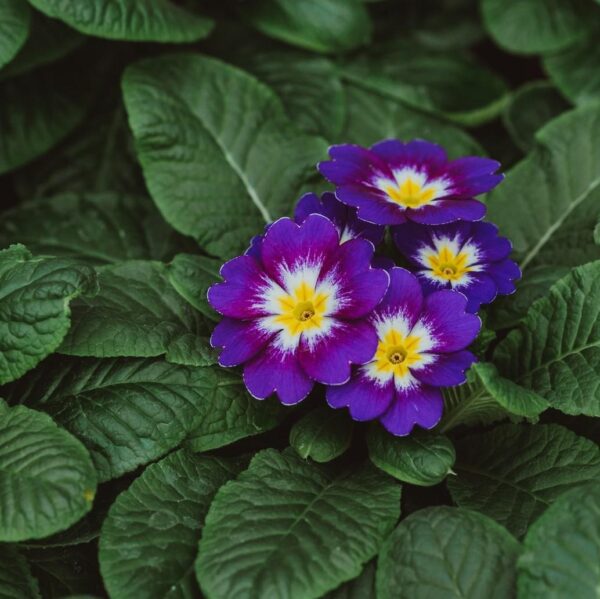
column 422, row 154
column 383, row 262
column 240, row 340
column 365, row 398
column 240, row 294
column 482, row 289
column 404, row 294
column 435, row 213
column 473, row 175
column 308, row 204
column 274, row 371
column 504, row 273
column 492, row 247
column 420, row 405
column 447, row 370
column 352, row 164
column 450, row 326
column 467, row 209
column 287, row 245
column 372, row 206
column 329, row 358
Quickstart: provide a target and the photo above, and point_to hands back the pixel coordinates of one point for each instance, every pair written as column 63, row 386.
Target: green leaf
column 34, row 306
column 191, row 276
column 136, row 313
column 372, row 117
column 152, row 21
column 362, row 587
column 576, row 70
column 37, row 110
column 15, row 16
column 423, row 459
column 149, row 539
column 103, row 228
column 238, row 147
column 321, row 435
column 429, row 80
column 529, row 109
column 514, row 472
column 549, row 203
column 562, row 549
column 47, row 481
column 555, row 351
column 16, row 581
column 290, row 528
column 317, row 25
column 537, row 26
column 450, row 553
column 129, row 412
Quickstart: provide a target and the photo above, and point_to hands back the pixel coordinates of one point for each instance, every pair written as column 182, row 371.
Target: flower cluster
column 310, row 302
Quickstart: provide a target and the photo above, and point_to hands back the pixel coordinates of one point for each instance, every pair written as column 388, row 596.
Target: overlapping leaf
column 15, row 17
column 16, row 581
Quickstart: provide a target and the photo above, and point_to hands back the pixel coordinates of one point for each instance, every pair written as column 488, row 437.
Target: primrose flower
column 468, row 257
column 342, row 216
column 421, row 348
column 294, row 308
column 393, row 182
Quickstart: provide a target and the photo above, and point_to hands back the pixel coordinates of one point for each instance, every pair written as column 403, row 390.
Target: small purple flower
column 421, row 348
column 393, row 182
column 342, row 216
column 468, row 257
column 294, row 309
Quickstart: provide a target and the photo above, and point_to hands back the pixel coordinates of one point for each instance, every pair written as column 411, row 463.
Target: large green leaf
column 372, row 117
column 321, row 435
column 361, row 587
column 537, row 26
column 15, row 16
column 549, row 203
column 318, row 25
column 421, row 459
column 149, row 539
column 136, row 313
column 130, row 412
column 34, row 306
column 429, row 80
column 150, row 21
column 562, row 549
column 47, row 481
column 555, row 351
column 219, row 154
column 289, row 528
column 447, row 553
column 16, row 581
column 514, row 472
column 98, row 229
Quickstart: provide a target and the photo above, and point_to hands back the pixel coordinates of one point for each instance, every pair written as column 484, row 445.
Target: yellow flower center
column 302, row 310
column 411, row 193
column 449, row 265
column 396, row 353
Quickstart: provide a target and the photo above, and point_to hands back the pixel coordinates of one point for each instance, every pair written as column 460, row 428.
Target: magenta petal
column 328, row 359
column 366, row 399
column 404, row 294
column 240, row 340
column 447, row 370
column 420, row 405
column 450, row 326
column 274, row 371
column 372, row 207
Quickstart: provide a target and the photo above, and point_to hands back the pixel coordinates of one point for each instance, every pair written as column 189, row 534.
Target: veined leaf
column 318, row 25
column 514, row 472
column 129, row 412
column 537, row 26
column 47, row 481
column 149, row 539
column 549, row 203
column 292, row 527
column 219, row 164
column 321, row 435
column 555, row 351
column 16, row 581
column 422, row 459
column 150, row 21
column 34, row 306
column 562, row 549
column 15, row 17
column 136, row 313
column 361, row 587
column 447, row 552
column 98, row 229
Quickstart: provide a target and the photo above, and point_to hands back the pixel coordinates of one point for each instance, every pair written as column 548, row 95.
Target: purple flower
column 294, row 309
column 468, row 257
column 342, row 216
column 421, row 348
column 393, row 182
